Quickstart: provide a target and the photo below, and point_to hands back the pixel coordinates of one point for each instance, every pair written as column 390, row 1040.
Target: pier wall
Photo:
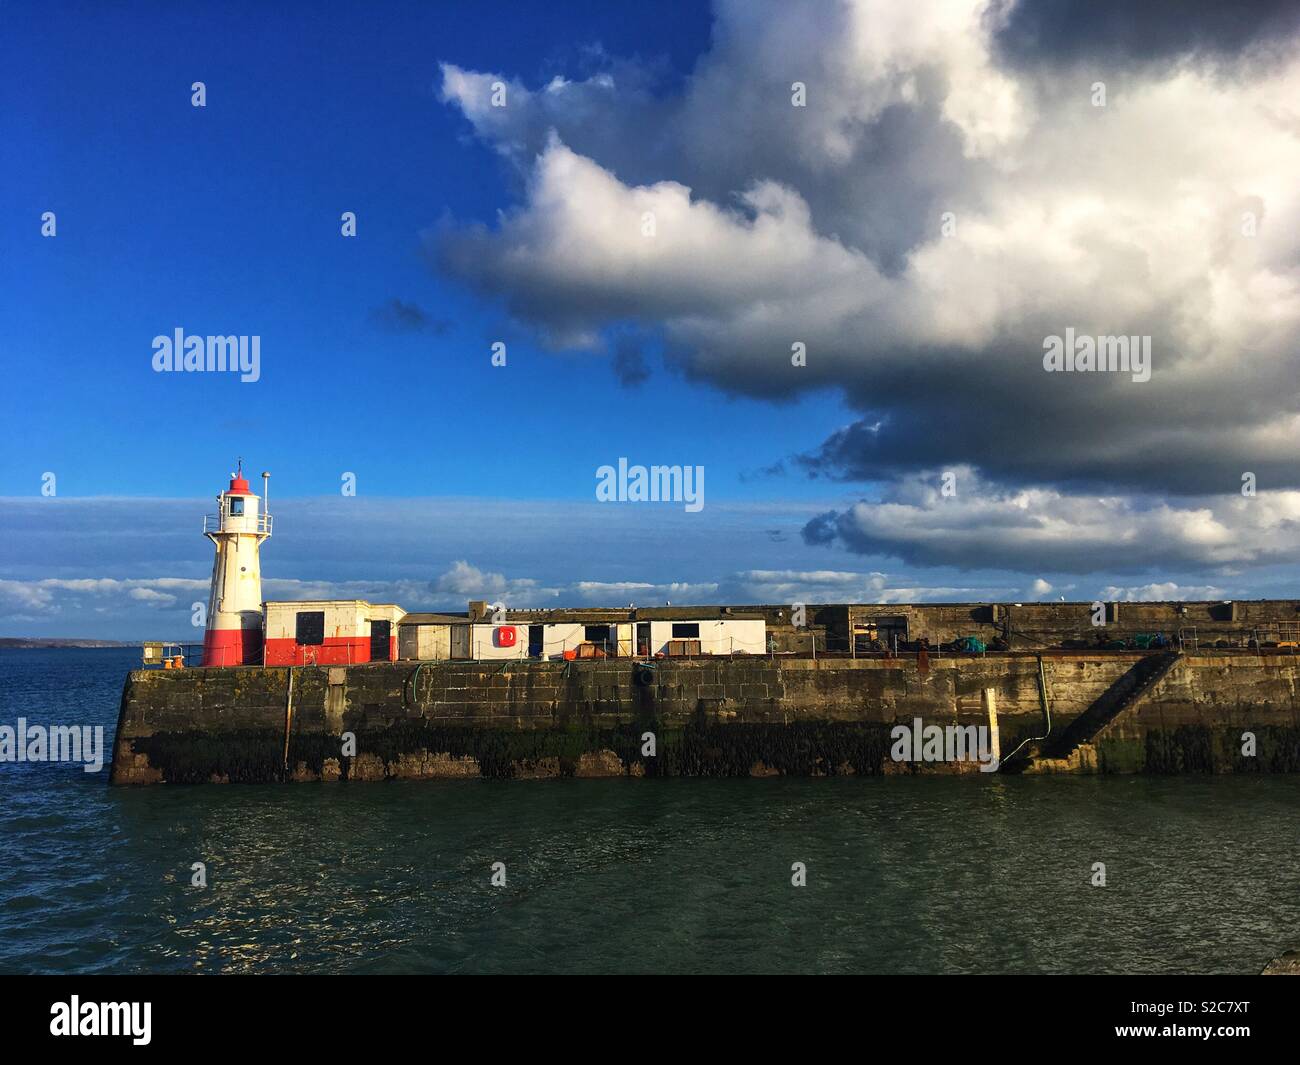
column 1032, row 626
column 755, row 716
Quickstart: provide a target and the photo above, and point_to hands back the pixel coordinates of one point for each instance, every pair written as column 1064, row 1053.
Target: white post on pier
column 991, row 705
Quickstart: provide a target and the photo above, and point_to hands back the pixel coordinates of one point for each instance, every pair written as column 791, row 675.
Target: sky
column 814, row 249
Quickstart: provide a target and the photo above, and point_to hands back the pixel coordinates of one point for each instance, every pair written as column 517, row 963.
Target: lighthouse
column 234, row 633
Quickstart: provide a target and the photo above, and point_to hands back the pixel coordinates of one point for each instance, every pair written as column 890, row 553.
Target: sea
column 977, row 874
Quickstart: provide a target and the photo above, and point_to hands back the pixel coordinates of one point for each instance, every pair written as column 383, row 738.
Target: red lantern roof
column 238, row 484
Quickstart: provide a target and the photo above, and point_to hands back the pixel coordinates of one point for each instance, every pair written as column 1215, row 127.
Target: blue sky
column 225, row 219
column 375, row 350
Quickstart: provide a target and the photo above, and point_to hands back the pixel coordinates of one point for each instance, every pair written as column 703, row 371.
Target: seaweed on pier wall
column 1277, row 749
column 795, row 749
column 704, row 748
column 498, row 753
column 242, row 756
column 409, row 749
column 1202, row 749
column 257, row 756
column 1186, row 749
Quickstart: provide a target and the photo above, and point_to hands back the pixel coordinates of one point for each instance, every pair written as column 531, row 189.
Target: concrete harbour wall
column 754, row 716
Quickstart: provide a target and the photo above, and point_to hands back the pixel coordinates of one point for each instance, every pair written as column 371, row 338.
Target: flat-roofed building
column 432, row 637
column 329, row 632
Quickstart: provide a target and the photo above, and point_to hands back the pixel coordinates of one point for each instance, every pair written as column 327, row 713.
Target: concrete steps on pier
column 1073, row 750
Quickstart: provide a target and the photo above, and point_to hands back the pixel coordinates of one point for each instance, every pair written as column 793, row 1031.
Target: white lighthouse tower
column 234, row 632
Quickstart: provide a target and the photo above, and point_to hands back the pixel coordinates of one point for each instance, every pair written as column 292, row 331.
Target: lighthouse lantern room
column 234, row 632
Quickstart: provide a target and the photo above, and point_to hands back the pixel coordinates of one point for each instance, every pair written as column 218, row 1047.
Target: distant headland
column 56, row 641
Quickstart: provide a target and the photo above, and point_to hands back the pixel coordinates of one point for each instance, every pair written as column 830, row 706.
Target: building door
column 380, row 645
column 623, row 640
column 408, row 640
column 643, row 638
column 535, row 641
column 460, row 641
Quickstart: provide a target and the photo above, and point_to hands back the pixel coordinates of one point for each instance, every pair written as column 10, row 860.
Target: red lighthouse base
column 232, row 647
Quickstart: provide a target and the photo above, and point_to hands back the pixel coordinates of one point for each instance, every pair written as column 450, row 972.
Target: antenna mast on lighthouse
column 234, row 633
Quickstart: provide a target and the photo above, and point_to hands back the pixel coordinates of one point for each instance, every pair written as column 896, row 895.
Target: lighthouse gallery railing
column 212, row 524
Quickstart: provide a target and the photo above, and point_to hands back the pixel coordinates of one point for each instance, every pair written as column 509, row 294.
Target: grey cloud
column 629, row 363
column 983, row 527
column 822, row 225
column 1123, row 32
column 822, row 529
column 400, row 316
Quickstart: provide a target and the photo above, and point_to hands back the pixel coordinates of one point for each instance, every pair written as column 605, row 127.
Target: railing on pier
column 157, row 654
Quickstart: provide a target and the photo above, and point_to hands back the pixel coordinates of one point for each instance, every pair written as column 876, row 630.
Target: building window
column 686, row 630
column 236, row 506
column 311, row 628
column 595, row 633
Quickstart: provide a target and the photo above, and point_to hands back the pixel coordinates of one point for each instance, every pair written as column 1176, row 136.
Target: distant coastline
column 53, row 641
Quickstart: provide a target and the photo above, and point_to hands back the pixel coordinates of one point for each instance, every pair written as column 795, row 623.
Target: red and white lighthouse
column 234, row 632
